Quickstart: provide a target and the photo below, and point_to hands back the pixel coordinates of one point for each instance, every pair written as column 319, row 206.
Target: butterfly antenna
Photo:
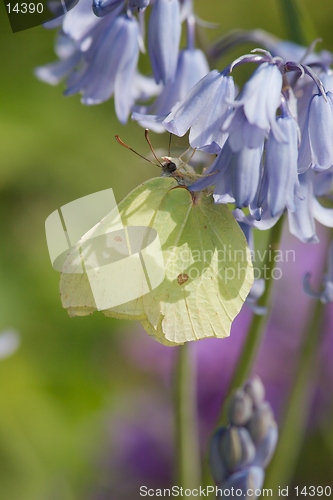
column 151, row 147
column 122, row 143
column 185, row 152
column 169, row 147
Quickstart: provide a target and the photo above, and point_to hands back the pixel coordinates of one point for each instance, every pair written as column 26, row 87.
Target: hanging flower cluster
column 273, row 140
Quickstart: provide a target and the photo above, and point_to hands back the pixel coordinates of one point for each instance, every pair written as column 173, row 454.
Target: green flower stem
column 291, row 436
column 257, row 326
column 298, row 25
column 188, row 473
column 254, row 336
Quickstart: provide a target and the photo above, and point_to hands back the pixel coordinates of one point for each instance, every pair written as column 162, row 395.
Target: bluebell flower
column 69, row 57
column 100, row 59
column 280, row 183
column 109, row 65
column 317, row 131
column 326, row 294
column 104, row 7
column 79, row 22
column 138, row 4
column 302, row 220
column 192, row 66
column 164, row 32
column 74, row 38
column 255, row 109
column 235, row 175
column 204, row 111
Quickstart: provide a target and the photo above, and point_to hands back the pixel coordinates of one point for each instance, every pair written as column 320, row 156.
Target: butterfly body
column 183, row 173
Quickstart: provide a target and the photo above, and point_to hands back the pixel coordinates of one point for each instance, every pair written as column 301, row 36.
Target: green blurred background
column 68, row 374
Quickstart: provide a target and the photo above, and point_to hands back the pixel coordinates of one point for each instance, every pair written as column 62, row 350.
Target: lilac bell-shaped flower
column 104, row 7
column 235, row 175
column 203, row 111
column 317, row 132
column 164, row 32
column 138, row 4
column 79, row 22
column 255, row 109
column 192, row 66
column 110, row 66
column 301, row 221
column 69, row 57
column 280, row 171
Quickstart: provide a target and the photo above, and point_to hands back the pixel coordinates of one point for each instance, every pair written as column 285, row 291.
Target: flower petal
column 164, row 31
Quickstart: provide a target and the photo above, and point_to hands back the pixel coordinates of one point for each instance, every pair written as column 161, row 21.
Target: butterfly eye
column 170, row 166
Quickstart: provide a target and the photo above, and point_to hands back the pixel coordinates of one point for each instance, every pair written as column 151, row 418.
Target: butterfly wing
column 208, row 269
column 138, row 209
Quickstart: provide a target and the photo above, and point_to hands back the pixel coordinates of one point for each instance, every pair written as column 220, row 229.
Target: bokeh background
column 86, row 403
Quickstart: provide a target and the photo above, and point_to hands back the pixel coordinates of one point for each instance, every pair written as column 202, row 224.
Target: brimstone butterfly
column 208, row 269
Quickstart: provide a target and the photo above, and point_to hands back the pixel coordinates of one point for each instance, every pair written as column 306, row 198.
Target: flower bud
column 263, row 430
column 236, row 448
column 251, row 478
column 256, row 390
column 240, row 408
column 217, row 465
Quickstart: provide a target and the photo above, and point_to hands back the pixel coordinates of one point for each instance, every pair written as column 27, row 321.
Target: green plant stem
column 258, row 323
column 254, row 336
column 298, row 24
column 285, row 458
column 188, row 473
